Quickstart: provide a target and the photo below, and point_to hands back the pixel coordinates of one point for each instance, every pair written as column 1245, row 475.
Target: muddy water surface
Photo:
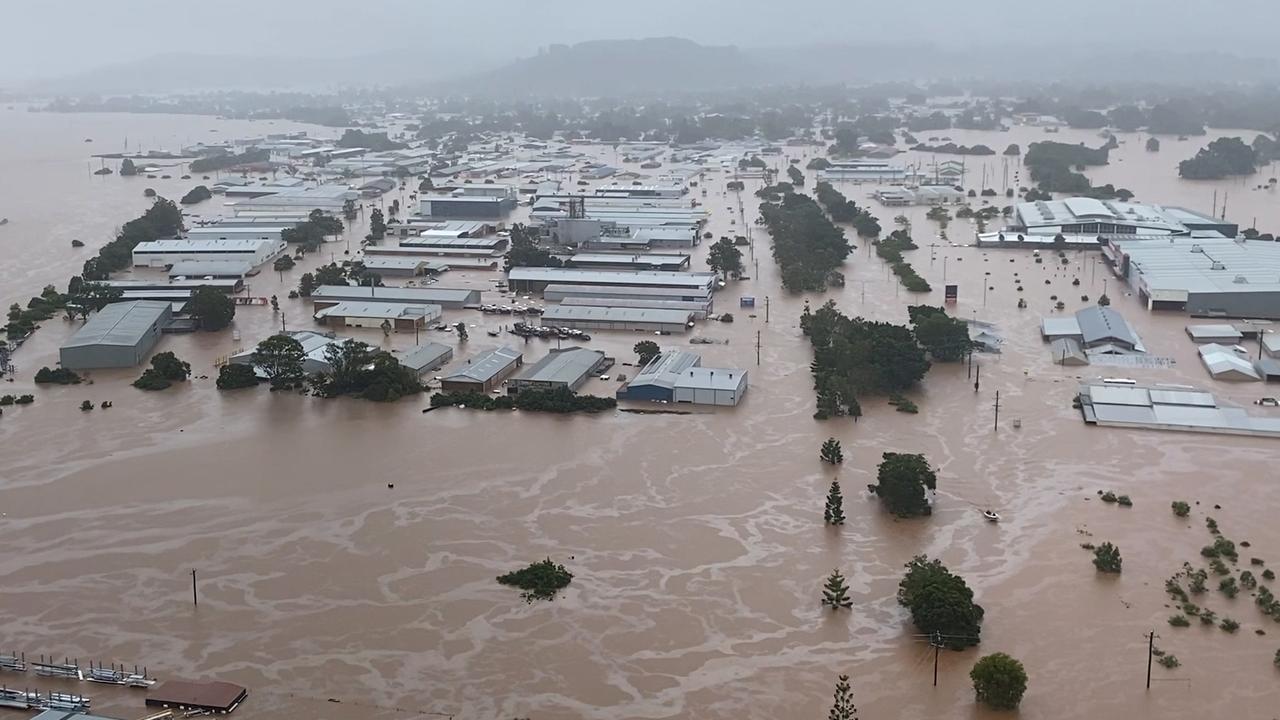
column 696, row 539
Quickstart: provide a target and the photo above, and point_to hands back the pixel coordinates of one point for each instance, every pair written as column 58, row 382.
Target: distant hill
column 620, row 67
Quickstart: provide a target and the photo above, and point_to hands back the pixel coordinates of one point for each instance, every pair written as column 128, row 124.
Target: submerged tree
column 1106, row 557
column 646, row 350
column 843, row 707
column 835, row 594
column 999, row 681
column 834, row 514
column 903, row 479
column 831, row 452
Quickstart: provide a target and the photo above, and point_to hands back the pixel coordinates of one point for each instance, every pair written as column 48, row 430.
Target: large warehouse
column 1204, row 277
column 365, row 314
column 484, row 372
column 475, row 202
column 563, row 368
column 617, row 318
column 163, row 253
column 120, row 335
column 533, row 279
column 449, row 298
column 560, row 292
column 1087, row 216
column 678, row 376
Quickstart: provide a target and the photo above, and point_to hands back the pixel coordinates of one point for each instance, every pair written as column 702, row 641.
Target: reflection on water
column 696, row 540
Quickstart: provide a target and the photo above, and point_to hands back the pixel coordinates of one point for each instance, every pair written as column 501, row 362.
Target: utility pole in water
column 195, row 599
column 996, row 425
column 1151, row 648
column 757, row 348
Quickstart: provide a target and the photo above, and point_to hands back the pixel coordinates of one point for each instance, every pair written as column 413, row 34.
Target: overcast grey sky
column 46, row 38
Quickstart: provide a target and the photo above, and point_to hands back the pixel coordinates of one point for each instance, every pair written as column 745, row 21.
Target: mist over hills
column 653, row 66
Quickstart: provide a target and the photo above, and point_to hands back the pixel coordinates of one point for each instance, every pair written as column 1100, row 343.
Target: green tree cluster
column 57, row 376
column 539, row 581
column 833, row 514
column 377, row 225
column 211, row 308
column 806, row 245
column 162, row 219
column 831, row 452
column 197, row 194
column 280, row 358
column 835, row 593
column 233, row 376
column 902, row 480
column 724, row 258
column 526, row 251
column 1221, row 158
column 796, row 177
column 999, row 681
column 646, row 351
column 890, row 249
column 941, row 603
column 310, row 233
column 359, row 370
column 165, row 370
column 1106, row 557
column 945, row 338
column 375, row 141
column 842, row 708
column 1052, row 165
column 223, row 161
column 853, row 356
column 557, row 400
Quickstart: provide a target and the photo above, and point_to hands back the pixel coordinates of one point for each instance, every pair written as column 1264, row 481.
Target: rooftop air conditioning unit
column 1195, row 249
column 1217, row 266
column 1241, row 280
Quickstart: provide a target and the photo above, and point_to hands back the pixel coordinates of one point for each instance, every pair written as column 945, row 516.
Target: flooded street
column 696, row 540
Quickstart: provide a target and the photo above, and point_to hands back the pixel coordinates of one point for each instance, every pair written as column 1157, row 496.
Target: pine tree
column 835, row 505
column 843, row 709
column 836, row 593
column 831, row 452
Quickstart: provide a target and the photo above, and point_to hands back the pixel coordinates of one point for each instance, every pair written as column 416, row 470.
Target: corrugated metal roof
column 487, row 365
column 1102, row 324
column 123, row 324
column 567, row 365
column 615, row 314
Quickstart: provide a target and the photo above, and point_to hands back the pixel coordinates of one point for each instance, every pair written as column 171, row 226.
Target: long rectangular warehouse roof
column 624, row 291
column 433, row 295
column 122, row 323
column 615, row 314
column 606, row 277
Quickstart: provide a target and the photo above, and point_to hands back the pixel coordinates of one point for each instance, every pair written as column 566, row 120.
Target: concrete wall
column 1263, row 305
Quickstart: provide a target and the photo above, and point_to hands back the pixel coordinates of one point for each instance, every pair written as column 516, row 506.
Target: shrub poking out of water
column 999, row 680
column 86, row 406
column 1124, row 501
column 1257, row 561
column 1219, row 567
column 1268, row 574
column 540, row 581
column 1248, row 581
column 1191, row 609
column 1211, row 524
column 903, row 405
column 1109, row 497
column 1208, row 617
column 1087, row 546
column 1107, row 558
column 1169, row 661
column 1228, row 587
column 1181, row 509
column 1229, row 625
column 28, row 399
column 1276, row 662
column 1197, row 580
column 57, row 376
column 1179, row 621
column 1174, row 589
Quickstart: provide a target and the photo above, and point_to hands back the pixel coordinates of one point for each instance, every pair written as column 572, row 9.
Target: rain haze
column 574, row 360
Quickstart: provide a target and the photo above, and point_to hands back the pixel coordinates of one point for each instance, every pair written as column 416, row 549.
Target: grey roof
column 663, row 293
column 1102, row 324
column 1067, row 351
column 663, row 370
column 432, row 239
column 1164, row 408
column 566, row 365
column 435, row 295
column 65, row 715
column 606, row 277
column 615, row 314
column 1204, row 265
column 237, row 244
column 1048, row 214
column 426, row 355
column 1055, row 327
column 1214, row 332
column 487, row 365
column 387, row 310
column 1223, row 362
column 122, row 323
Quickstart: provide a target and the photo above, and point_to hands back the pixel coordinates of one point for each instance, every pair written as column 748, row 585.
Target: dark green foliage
column 842, row 707
column 940, row 602
column 1181, row 509
column 1268, row 574
column 365, row 372
column 1108, row 497
column 86, row 405
column 526, row 252
column 724, row 258
column 831, row 452
column 1229, row 625
column 1013, row 149
column 1174, row 589
column 1218, row 567
column 170, row 367
column 1153, row 145
column 540, row 581
column 954, row 149
column 306, row 284
column 57, row 376
column 162, row 219
column 834, row 512
column 796, row 177
column 377, row 225
column 1196, row 581
column 818, row 163
column 1179, row 621
column 1124, row 501
column 280, row 358
column 835, row 593
column 558, row 400
column 1228, row 587
column 999, row 681
column 234, row 375
column 855, row 356
column 127, row 168
column 1107, row 558
column 152, row 380
column 211, row 308
column 806, row 245
column 903, row 479
column 213, row 163
column 890, row 249
column 199, row 193
column 375, row 141
column 1169, row 661
column 1051, row 165
column 1212, row 525
column 646, row 350
column 24, row 400
column 944, row 337
column 1221, row 158
column 310, row 234
column 282, row 263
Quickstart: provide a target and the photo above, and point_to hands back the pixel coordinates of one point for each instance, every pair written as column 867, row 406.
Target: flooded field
column 696, row 540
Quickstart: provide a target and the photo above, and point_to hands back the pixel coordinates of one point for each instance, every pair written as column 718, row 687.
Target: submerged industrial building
column 677, row 376
column 1227, row 278
column 119, row 335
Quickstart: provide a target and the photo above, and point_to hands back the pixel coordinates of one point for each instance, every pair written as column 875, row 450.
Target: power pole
column 195, row 599
column 937, row 647
column 996, row 424
column 766, row 308
column 757, row 348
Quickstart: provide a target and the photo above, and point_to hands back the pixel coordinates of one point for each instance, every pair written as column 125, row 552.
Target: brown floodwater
column 696, row 539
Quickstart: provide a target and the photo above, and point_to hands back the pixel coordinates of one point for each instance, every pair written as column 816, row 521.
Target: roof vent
column 1217, row 266
column 1195, row 248
column 1241, row 280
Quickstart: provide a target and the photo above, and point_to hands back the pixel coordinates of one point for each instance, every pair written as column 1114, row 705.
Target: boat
column 991, row 515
